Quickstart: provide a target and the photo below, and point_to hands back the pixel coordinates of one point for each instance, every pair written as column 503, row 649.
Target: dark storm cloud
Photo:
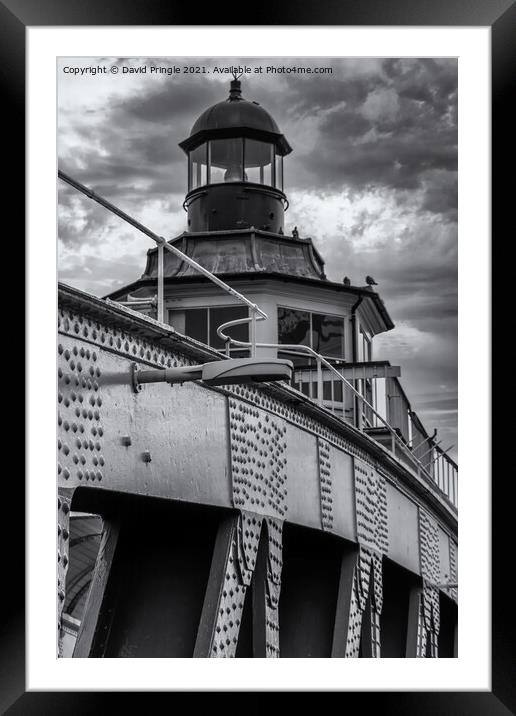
column 429, row 81
column 416, row 151
column 412, row 146
column 119, row 160
column 100, row 276
column 176, row 102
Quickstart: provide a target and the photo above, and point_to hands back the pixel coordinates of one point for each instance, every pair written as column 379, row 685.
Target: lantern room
column 235, row 167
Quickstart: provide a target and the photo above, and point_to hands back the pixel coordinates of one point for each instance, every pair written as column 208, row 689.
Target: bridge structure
column 265, row 517
column 243, row 520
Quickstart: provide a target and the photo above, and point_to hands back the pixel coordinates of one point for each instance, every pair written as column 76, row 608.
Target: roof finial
column 235, row 90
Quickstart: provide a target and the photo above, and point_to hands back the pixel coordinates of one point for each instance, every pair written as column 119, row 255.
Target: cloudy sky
column 372, row 179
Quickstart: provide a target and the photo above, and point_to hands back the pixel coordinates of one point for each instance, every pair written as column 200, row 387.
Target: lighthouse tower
column 236, row 203
column 235, row 167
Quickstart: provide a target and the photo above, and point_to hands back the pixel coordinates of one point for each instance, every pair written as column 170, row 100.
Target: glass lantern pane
column 226, row 159
column 258, row 161
column 279, row 172
column 198, row 170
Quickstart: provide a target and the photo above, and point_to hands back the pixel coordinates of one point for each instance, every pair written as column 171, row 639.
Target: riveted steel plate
column 341, row 478
column 444, row 557
column 163, row 441
column 303, row 479
column 258, row 443
column 402, row 519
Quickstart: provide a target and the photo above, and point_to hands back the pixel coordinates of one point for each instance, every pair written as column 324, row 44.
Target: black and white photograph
column 257, row 398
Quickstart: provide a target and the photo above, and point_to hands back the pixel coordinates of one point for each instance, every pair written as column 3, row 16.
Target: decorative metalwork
column 372, row 537
column 355, row 624
column 231, row 605
column 79, row 400
column 248, row 539
column 262, row 398
column 371, row 507
column 366, row 599
column 453, row 570
column 274, row 567
column 113, row 338
column 429, row 616
column 325, row 480
column 258, row 459
column 239, row 570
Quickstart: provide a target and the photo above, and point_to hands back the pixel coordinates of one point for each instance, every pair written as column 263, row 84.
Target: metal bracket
column 134, row 378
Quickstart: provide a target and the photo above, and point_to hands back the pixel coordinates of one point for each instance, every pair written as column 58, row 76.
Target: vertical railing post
column 319, row 382
column 161, row 311
column 253, row 333
column 358, row 412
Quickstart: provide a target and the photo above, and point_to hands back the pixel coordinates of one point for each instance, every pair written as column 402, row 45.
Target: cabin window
column 327, row 335
column 293, row 327
column 321, row 332
column 202, row 323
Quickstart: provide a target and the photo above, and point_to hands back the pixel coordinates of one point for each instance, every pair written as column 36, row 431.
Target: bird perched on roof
column 346, row 281
column 295, row 232
column 370, row 281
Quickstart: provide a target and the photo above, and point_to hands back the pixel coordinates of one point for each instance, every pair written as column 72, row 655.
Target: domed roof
column 235, row 111
column 236, row 117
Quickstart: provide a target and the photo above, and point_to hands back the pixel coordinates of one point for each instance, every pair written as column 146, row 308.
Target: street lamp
column 221, row 372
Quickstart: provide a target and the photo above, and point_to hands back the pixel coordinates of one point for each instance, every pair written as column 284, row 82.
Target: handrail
column 300, row 349
column 162, row 244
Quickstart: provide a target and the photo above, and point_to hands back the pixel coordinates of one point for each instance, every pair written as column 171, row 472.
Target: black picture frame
column 500, row 16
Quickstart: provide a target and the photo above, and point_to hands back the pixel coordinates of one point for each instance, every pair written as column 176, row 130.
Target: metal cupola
column 235, row 167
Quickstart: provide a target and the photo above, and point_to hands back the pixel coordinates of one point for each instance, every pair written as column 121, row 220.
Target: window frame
column 184, row 309
column 311, row 330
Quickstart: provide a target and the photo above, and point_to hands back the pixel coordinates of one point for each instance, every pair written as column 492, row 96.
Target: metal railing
column 256, row 315
column 396, row 440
